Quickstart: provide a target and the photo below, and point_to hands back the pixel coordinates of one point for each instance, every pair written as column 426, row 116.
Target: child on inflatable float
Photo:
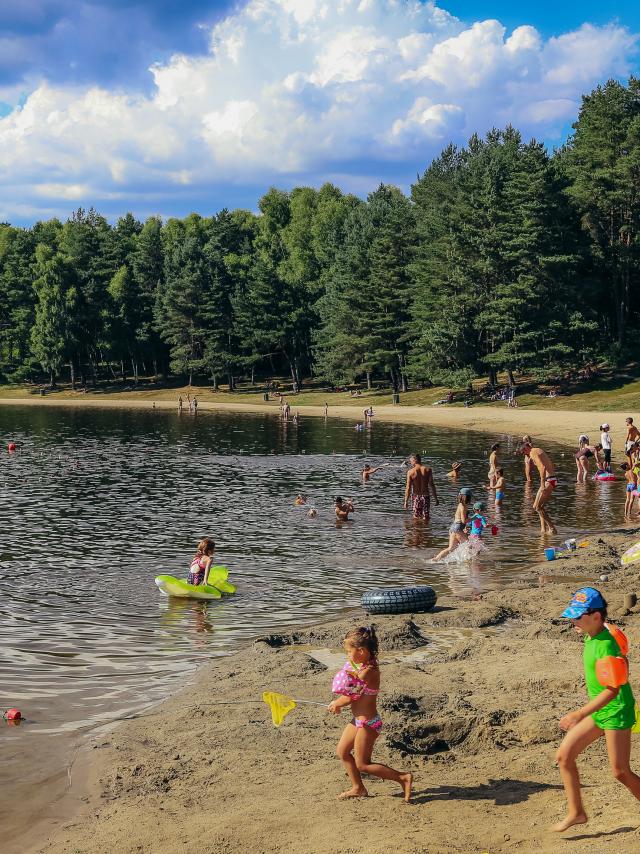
column 201, row 562
column 358, row 685
column 611, row 710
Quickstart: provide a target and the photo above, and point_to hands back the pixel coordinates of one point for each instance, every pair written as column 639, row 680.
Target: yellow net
column 279, row 704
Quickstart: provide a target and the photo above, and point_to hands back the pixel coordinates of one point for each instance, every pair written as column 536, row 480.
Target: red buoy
column 11, row 446
column 494, row 530
column 12, row 715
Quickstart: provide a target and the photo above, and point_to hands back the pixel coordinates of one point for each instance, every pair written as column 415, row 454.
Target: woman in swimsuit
column 358, row 684
column 201, row 563
column 457, row 531
column 582, row 456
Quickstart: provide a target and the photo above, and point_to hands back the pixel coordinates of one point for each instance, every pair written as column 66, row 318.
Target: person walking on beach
column 419, row 484
column 358, row 685
column 493, row 464
column 633, row 434
column 548, row 482
column 326, row 409
column 195, row 405
column 610, row 711
column 605, row 441
column 180, row 404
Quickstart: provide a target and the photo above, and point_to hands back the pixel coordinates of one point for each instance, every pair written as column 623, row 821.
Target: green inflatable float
column 216, row 586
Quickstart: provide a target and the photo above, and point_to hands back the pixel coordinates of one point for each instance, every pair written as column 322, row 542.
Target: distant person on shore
column 456, row 468
column 195, row 405
column 527, row 440
column 419, row 486
column 368, row 414
column 357, row 686
column 633, row 434
column 548, row 482
column 201, row 562
column 458, row 529
column 493, row 464
column 610, row 711
column 180, row 404
column 326, row 409
column 500, row 486
column 605, row 441
column 343, row 508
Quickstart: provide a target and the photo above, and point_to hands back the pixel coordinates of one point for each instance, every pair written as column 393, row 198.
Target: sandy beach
column 471, row 697
column 563, row 426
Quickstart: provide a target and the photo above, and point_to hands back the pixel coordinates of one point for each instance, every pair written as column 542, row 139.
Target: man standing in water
column 419, row 484
column 548, row 482
column 633, row 434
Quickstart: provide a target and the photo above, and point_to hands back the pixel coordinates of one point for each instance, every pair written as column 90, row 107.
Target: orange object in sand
column 612, row 671
column 619, row 637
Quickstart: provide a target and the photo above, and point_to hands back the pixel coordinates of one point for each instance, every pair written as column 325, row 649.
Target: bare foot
column 406, row 781
column 354, row 793
column 569, row 821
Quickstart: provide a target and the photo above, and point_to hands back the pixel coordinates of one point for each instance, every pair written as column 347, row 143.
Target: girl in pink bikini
column 358, row 684
column 199, row 568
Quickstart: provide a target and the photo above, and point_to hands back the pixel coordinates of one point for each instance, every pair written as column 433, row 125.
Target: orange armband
column 612, row 671
column 619, row 637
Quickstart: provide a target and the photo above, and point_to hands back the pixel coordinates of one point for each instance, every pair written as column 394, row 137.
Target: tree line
column 503, row 258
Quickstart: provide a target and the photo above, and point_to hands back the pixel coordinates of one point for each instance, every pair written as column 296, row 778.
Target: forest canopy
column 503, row 258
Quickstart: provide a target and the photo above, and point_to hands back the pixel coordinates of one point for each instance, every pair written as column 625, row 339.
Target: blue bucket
column 550, row 554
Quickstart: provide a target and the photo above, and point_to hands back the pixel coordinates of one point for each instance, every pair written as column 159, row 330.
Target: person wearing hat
column 458, row 529
column 455, row 470
column 605, row 441
column 478, row 522
column 610, row 711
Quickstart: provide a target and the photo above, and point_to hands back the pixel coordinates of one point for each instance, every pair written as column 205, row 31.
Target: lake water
column 96, row 503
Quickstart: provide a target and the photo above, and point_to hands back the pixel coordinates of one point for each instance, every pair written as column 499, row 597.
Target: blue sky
column 161, row 106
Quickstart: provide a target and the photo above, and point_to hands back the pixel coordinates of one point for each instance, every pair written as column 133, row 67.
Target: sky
column 166, row 107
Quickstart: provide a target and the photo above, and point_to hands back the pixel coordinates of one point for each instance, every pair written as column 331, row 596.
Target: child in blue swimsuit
column 500, row 484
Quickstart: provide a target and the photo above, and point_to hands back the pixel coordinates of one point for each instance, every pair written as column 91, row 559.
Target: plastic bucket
column 550, row 554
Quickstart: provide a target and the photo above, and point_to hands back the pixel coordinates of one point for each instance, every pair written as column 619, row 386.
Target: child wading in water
column 609, row 712
column 500, row 484
column 457, row 531
column 201, row 562
column 358, row 683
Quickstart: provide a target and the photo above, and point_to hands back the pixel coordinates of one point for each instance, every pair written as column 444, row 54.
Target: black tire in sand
column 399, row 600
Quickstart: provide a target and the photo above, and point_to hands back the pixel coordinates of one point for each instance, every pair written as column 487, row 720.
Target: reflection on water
column 97, row 503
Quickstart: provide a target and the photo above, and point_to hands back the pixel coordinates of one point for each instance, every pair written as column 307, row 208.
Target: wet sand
column 476, row 720
column 543, row 424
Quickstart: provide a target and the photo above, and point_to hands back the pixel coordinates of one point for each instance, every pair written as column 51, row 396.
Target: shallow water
column 97, row 503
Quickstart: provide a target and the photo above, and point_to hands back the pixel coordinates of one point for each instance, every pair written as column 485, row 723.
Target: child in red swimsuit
column 199, row 569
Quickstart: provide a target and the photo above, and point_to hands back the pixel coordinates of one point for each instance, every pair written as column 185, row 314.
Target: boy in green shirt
column 609, row 712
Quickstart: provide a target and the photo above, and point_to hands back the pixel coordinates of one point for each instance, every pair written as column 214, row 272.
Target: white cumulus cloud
column 295, row 90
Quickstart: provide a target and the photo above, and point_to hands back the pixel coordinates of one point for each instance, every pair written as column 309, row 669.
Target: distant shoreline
column 563, row 426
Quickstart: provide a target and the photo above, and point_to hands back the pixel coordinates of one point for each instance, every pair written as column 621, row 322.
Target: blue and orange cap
column 585, row 599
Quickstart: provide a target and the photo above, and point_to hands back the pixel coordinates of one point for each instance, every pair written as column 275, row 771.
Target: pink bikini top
column 346, row 683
